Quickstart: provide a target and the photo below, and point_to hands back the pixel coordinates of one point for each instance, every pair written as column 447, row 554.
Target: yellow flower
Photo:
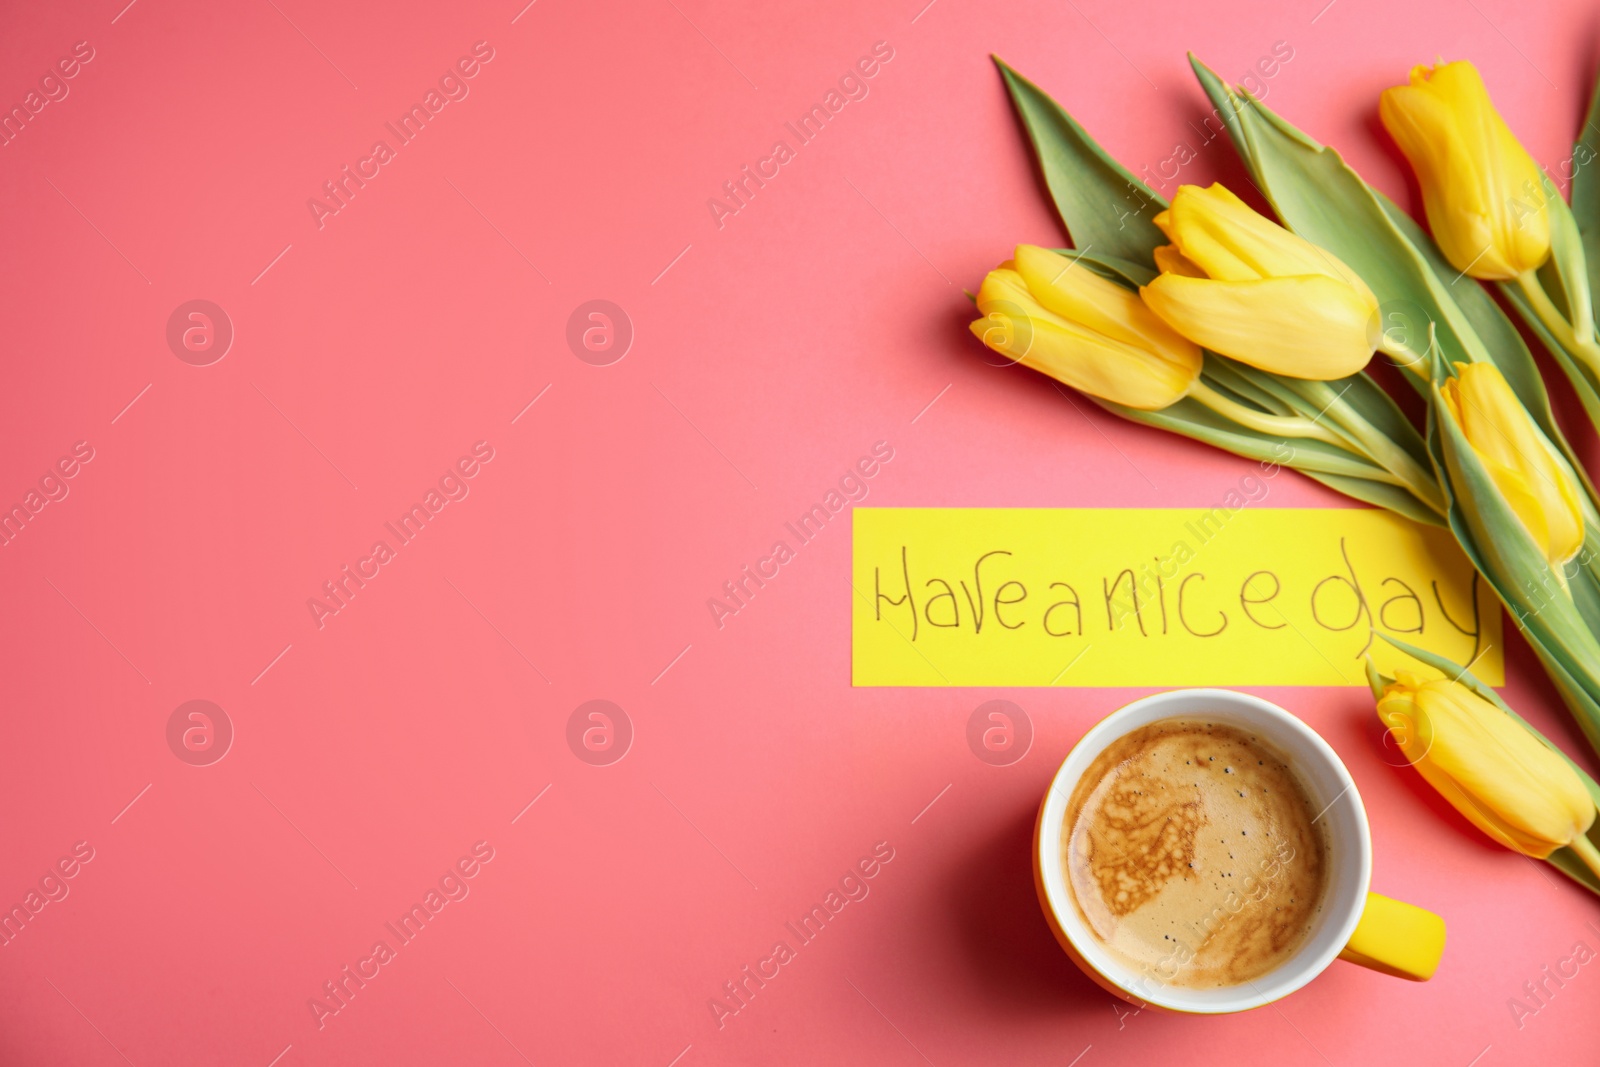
column 1520, row 462
column 1510, row 784
column 1049, row 313
column 1482, row 191
column 1239, row 284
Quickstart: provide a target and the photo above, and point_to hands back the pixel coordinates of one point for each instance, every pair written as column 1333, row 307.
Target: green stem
column 1408, row 358
column 1260, row 421
column 1382, row 450
column 1576, row 338
column 1587, row 853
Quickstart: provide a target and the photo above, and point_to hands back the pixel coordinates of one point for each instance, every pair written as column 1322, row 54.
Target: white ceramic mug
column 1355, row 924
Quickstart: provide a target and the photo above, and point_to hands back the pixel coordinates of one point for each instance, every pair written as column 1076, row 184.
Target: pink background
column 768, row 356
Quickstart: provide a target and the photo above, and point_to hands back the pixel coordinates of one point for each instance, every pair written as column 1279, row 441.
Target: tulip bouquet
column 1207, row 318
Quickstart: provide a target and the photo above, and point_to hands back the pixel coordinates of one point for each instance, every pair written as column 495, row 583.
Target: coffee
column 1194, row 854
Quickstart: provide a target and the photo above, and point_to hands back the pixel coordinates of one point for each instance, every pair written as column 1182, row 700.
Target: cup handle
column 1397, row 938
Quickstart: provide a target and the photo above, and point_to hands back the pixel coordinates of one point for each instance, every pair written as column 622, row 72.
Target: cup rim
column 1300, row 742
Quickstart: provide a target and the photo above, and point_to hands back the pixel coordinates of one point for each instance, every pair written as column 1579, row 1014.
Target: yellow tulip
column 1483, row 193
column 1239, row 284
column 1049, row 313
column 1506, row 781
column 1520, row 462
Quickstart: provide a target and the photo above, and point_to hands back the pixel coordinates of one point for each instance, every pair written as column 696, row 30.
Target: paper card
column 1158, row 597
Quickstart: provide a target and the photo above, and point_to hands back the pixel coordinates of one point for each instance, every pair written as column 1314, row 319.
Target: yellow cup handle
column 1397, row 938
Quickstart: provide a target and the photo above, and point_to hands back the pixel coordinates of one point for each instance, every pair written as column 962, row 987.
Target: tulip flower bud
column 1239, row 284
column 1052, row 314
column 1506, row 781
column 1483, row 193
column 1520, row 462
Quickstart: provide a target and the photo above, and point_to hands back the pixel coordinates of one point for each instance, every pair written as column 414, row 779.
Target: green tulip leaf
column 1192, row 419
column 1586, row 189
column 1375, row 681
column 1251, row 387
column 1348, row 406
column 1584, row 707
column 1567, row 259
column 1341, row 471
column 1584, row 381
column 1374, row 404
column 1356, row 409
column 1583, row 578
column 1567, row 862
column 1586, row 595
column 1381, row 494
column 1105, row 208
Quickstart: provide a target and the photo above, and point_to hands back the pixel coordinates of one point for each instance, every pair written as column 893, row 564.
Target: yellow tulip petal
column 1489, row 766
column 1453, row 192
column 1218, row 232
column 1450, row 393
column 1089, row 362
column 1078, row 294
column 1522, row 464
column 1397, row 708
column 1528, row 503
column 1140, row 376
column 1310, row 327
column 1483, row 194
column 1510, row 776
column 1107, row 369
column 1231, row 241
column 1005, row 286
column 1494, row 419
column 1163, row 221
column 1172, row 261
column 1415, row 735
column 1483, row 817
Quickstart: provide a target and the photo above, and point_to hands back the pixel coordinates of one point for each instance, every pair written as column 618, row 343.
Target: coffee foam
column 1193, row 854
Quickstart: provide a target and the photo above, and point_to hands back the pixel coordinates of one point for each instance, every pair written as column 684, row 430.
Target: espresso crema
column 1195, row 855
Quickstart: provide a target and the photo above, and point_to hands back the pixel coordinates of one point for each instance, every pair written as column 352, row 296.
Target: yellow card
column 1158, row 597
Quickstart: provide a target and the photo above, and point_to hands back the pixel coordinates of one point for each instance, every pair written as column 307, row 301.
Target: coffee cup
column 1351, row 923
